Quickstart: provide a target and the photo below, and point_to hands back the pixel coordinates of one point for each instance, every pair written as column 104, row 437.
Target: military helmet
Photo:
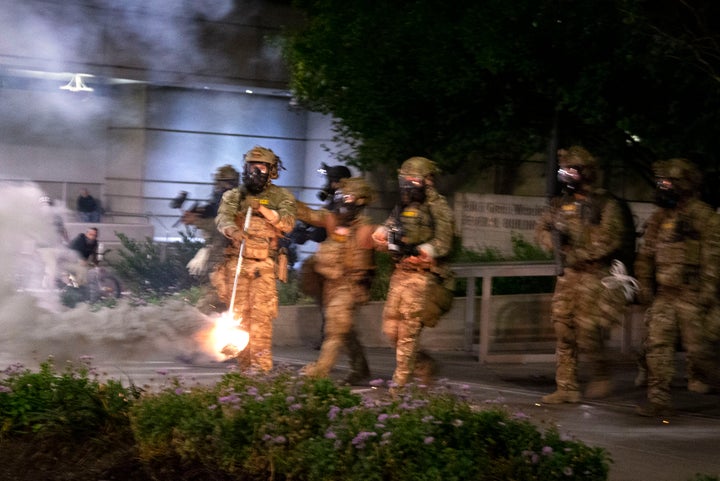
column 335, row 172
column 684, row 174
column 578, row 168
column 227, row 172
column 267, row 156
column 358, row 188
column 576, row 156
column 418, row 167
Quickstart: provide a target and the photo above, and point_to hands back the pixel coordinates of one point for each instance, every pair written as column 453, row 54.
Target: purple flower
column 295, row 407
column 359, row 440
column 290, row 399
column 5, row 389
column 212, row 407
column 252, row 391
column 377, row 382
column 332, row 414
column 429, row 440
column 383, row 417
column 330, row 435
column 280, row 440
column 230, row 399
column 547, row 450
column 179, row 391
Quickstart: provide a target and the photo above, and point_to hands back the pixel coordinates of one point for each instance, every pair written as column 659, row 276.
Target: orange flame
column 226, row 338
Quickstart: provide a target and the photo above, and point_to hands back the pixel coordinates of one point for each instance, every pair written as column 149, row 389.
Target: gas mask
column 345, row 207
column 570, row 177
column 412, row 189
column 666, row 194
column 255, row 176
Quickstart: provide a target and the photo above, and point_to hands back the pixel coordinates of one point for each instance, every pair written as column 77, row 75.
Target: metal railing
column 487, row 271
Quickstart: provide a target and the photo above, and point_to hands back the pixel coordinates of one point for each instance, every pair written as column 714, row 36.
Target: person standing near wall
column 87, row 207
column 419, row 234
column 272, row 214
column 586, row 225
column 345, row 262
column 211, row 258
column 678, row 267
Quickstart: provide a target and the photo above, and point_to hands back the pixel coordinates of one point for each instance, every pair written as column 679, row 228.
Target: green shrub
column 151, row 269
column 72, row 401
column 282, row 426
column 522, row 251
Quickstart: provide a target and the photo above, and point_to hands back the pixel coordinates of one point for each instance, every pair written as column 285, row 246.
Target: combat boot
column 359, row 369
column 654, row 410
column 356, row 378
column 598, row 389
column 425, row 368
column 562, row 396
column 698, row 386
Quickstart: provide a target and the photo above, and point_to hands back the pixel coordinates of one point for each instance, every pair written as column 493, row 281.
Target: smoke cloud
column 35, row 325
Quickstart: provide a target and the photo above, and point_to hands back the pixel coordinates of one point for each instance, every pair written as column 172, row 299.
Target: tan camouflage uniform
column 590, row 225
column 215, row 291
column 409, row 297
column 345, row 261
column 677, row 266
column 256, row 300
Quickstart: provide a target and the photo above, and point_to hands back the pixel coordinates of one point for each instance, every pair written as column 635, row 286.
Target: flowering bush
column 277, row 426
column 72, row 401
column 282, row 426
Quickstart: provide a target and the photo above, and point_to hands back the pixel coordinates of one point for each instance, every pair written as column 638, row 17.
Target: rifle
column 551, row 191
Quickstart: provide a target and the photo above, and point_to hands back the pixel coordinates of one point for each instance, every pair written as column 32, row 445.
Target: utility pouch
column 281, row 267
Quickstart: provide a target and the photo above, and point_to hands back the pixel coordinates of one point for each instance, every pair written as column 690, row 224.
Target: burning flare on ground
column 226, row 338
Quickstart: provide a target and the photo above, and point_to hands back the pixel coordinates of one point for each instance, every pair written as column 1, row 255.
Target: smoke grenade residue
column 35, row 325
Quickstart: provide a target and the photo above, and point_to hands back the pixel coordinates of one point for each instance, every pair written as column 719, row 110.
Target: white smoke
column 35, row 325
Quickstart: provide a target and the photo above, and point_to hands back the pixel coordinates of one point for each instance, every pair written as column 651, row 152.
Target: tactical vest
column 340, row 256
column 261, row 240
column 678, row 251
column 415, row 224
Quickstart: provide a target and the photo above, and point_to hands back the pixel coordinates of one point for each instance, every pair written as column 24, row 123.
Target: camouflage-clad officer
column 419, row 233
column 273, row 213
column 677, row 267
column 345, row 262
column 210, row 259
column 586, row 225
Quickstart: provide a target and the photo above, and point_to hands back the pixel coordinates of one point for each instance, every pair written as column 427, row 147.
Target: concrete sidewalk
column 642, row 449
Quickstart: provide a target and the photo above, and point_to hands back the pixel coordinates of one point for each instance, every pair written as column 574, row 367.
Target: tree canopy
column 482, row 82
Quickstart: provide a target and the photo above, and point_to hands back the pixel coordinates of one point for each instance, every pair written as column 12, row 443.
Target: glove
column 198, row 264
column 252, row 202
column 237, row 237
